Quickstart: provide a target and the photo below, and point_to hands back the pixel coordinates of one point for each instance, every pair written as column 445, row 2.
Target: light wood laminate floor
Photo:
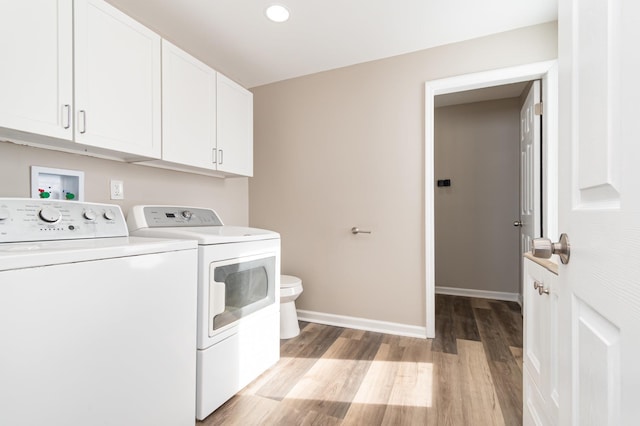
column 470, row 374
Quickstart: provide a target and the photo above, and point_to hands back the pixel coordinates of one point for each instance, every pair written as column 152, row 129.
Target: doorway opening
column 477, row 166
column 544, row 71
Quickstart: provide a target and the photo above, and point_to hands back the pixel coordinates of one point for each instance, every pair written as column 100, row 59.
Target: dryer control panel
column 30, row 219
column 171, row 216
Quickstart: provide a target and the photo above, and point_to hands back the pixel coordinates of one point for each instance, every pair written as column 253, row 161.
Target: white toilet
column 290, row 289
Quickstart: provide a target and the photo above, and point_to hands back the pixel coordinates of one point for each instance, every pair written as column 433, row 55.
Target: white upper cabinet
column 188, row 109
column 36, row 71
column 207, row 119
column 81, row 76
column 234, row 128
column 117, row 81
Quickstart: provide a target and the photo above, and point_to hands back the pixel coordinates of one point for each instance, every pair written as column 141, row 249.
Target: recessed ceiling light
column 277, row 13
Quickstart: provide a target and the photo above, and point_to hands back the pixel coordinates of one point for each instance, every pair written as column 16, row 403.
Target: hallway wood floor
column 470, row 374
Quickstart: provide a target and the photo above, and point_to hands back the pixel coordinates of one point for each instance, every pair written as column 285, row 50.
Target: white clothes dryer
column 238, row 296
column 96, row 327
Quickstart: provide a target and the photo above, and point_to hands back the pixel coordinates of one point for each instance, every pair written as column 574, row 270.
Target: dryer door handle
column 216, row 299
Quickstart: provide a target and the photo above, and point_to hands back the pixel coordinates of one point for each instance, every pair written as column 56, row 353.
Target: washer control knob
column 109, row 215
column 49, row 214
column 4, row 214
column 89, row 215
column 187, row 214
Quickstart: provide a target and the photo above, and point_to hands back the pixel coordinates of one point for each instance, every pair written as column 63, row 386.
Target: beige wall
column 477, row 146
column 345, row 148
column 142, row 184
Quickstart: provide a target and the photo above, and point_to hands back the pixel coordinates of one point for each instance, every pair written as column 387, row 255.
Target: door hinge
column 537, row 108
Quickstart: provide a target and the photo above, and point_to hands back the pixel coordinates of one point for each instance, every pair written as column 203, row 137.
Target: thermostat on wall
column 57, row 184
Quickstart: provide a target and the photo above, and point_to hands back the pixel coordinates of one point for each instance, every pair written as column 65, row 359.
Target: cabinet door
column 36, row 72
column 540, row 338
column 188, row 109
column 534, row 412
column 117, row 77
column 234, row 127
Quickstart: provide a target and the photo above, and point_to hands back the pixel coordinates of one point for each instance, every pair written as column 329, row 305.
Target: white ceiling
column 234, row 36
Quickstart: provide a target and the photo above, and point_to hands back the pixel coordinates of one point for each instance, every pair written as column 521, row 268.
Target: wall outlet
column 117, row 189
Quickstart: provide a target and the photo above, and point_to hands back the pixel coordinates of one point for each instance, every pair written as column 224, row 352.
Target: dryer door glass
column 246, row 285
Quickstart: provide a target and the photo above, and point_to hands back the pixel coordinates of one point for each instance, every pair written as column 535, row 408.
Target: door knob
column 517, row 223
column 544, row 248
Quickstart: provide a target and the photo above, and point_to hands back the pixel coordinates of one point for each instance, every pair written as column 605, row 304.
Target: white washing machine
column 238, row 296
column 95, row 327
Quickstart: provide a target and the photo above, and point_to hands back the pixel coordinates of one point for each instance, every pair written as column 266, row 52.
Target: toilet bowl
column 290, row 289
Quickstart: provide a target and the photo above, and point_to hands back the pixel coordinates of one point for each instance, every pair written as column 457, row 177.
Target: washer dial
column 109, row 215
column 49, row 214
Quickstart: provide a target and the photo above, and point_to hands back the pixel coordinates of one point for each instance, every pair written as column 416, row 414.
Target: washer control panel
column 30, row 219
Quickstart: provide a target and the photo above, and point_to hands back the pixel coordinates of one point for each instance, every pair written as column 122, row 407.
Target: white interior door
column 530, row 143
column 599, row 208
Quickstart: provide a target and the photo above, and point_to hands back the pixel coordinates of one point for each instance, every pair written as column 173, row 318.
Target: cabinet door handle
column 66, row 116
column 221, row 156
column 537, row 285
column 83, row 114
column 214, row 158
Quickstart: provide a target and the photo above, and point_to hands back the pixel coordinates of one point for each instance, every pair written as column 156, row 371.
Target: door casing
column 547, row 71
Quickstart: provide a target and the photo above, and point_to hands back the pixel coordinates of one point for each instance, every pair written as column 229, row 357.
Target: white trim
column 550, row 153
column 363, row 324
column 481, row 294
column 547, row 71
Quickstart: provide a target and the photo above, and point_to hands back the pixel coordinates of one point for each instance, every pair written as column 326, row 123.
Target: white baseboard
column 363, row 324
column 482, row 294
